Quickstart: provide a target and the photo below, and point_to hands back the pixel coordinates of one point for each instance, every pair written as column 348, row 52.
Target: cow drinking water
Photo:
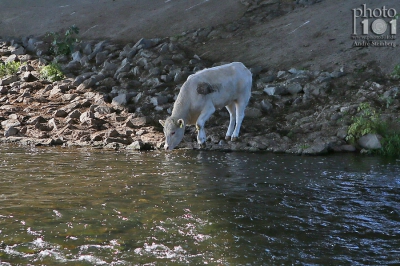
column 203, row 92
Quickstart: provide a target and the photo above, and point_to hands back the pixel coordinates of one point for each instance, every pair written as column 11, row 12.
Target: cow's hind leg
column 240, row 107
column 232, row 120
column 203, row 117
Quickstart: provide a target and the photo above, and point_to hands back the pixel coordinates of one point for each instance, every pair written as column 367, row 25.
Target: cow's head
column 174, row 129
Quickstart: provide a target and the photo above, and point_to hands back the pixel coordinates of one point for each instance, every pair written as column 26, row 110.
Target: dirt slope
column 121, row 20
column 313, row 37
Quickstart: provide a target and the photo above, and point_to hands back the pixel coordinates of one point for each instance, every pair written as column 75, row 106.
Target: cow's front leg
column 201, row 136
column 203, row 117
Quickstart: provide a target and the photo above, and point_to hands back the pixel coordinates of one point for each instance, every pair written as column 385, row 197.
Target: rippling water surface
column 89, row 207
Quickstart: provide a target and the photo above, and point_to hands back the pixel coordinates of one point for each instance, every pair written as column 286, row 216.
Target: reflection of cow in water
column 205, row 91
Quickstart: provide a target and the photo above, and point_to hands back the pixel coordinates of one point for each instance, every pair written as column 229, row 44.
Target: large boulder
column 370, row 141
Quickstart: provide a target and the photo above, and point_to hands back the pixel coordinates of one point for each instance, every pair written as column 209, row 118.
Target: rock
column 8, row 80
column 52, row 124
column 266, row 106
column 152, row 82
column 3, row 90
column 71, row 107
column 159, row 100
column 146, row 43
column 278, row 90
column 87, row 50
column 69, row 97
column 393, row 93
column 43, row 127
column 342, row 133
column 60, row 113
column 10, row 123
column 120, row 100
column 11, row 58
column 36, row 119
column 11, row 131
column 137, row 122
column 370, row 141
column 281, row 74
column 337, row 74
column 316, row 149
column 136, row 145
column 76, row 56
column 79, row 79
column 252, row 112
column 98, row 48
column 86, row 117
column 75, row 114
column 90, row 82
column 181, row 76
column 103, row 110
column 19, row 51
column 112, row 133
column 347, row 148
column 123, row 68
column 315, row 90
column 28, row 77
column 101, row 57
column 294, row 88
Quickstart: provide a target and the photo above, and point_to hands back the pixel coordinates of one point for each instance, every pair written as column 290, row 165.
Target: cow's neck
column 181, row 108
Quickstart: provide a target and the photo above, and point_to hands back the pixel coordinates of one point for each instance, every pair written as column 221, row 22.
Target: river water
column 91, row 207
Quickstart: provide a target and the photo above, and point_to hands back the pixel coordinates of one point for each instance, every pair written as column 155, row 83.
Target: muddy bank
column 113, row 95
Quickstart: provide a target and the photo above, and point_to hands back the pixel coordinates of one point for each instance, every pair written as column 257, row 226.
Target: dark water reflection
column 85, row 207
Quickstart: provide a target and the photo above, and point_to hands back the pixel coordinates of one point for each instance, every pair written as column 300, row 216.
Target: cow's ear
column 162, row 122
column 181, row 123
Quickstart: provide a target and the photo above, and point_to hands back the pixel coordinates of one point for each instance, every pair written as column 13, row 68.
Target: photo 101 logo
column 374, row 27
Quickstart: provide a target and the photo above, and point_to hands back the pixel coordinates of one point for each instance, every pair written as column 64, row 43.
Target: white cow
column 203, row 92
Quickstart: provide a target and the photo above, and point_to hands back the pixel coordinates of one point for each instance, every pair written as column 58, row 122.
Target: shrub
column 9, row 68
column 63, row 44
column 367, row 121
column 51, row 72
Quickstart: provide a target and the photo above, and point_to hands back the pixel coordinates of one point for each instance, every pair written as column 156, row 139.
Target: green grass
column 51, row 72
column 390, row 145
column 9, row 68
column 368, row 121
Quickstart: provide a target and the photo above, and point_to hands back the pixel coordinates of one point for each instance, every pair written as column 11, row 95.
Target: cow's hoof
column 202, row 145
column 234, row 139
column 228, row 138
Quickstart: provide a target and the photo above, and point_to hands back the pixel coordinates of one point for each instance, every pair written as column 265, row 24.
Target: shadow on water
column 89, row 207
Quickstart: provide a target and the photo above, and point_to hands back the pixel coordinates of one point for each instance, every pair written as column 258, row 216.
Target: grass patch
column 51, row 72
column 9, row 68
column 390, row 145
column 368, row 121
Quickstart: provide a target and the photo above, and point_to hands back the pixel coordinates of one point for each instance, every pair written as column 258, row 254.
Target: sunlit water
column 89, row 207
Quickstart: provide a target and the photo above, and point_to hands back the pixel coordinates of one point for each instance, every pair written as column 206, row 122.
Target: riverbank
column 112, row 97
column 112, row 93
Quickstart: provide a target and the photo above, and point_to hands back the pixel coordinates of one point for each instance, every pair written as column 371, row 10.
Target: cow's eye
column 172, row 133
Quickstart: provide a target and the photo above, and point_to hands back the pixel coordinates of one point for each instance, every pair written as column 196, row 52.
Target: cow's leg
column 232, row 120
column 208, row 110
column 240, row 107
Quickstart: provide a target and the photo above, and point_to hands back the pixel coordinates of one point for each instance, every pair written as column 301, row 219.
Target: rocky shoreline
column 113, row 96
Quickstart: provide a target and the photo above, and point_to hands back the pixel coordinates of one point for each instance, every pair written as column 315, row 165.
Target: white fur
column 231, row 86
